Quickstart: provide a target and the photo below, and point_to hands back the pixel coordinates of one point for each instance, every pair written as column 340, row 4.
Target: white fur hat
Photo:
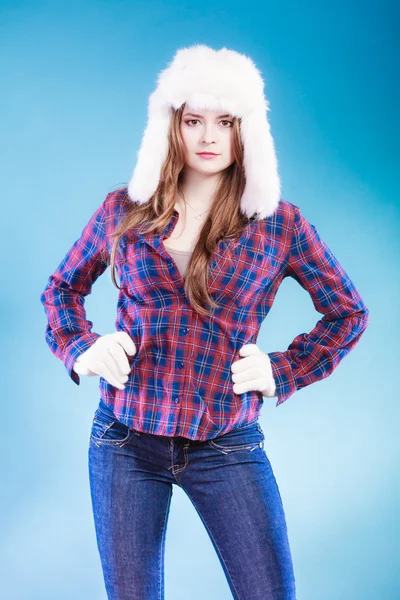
column 209, row 79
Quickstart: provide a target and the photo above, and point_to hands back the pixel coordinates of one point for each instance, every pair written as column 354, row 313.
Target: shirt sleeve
column 313, row 356
column 68, row 331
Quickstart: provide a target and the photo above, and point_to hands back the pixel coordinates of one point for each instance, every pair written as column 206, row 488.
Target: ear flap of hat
column 262, row 191
column 152, row 153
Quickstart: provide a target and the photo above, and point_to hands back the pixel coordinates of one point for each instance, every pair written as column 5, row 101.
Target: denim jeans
column 229, row 481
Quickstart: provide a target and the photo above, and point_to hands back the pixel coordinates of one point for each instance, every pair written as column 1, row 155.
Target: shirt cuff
column 283, row 376
column 75, row 349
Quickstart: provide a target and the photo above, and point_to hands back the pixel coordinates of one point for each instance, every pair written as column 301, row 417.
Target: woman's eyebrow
column 200, row 116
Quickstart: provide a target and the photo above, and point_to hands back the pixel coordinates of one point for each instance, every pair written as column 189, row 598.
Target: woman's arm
column 313, row 356
column 68, row 331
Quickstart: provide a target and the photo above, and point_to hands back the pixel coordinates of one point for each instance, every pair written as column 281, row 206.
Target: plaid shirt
column 181, row 381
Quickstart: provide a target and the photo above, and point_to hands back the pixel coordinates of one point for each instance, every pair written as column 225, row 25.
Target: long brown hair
column 224, row 220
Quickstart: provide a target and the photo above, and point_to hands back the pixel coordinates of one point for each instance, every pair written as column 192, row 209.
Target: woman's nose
column 209, row 135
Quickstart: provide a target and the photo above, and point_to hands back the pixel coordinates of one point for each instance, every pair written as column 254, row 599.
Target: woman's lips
column 207, row 155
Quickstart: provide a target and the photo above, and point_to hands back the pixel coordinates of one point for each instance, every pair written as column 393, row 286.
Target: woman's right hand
column 107, row 358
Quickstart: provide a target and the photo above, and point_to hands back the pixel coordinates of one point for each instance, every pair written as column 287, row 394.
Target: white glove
column 106, row 357
column 254, row 372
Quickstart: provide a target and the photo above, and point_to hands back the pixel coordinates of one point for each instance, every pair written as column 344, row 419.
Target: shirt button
column 176, row 399
column 181, row 364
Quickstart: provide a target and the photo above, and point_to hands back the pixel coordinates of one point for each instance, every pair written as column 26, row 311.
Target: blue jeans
column 228, row 479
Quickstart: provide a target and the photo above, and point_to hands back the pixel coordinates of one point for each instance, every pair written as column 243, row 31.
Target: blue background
column 76, row 77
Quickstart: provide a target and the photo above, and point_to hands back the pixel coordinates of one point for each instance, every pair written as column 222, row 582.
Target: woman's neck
column 197, row 191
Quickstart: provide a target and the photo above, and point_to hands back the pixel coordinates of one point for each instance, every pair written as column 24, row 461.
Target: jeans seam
column 227, row 449
column 105, row 442
column 182, row 467
column 215, row 542
column 111, row 442
column 161, row 592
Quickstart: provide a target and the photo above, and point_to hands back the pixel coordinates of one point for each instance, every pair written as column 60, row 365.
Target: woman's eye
column 197, row 121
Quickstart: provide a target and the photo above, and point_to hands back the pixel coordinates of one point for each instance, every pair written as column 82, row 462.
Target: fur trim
column 208, row 79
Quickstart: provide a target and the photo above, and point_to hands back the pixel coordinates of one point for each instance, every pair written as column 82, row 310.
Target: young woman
column 201, row 241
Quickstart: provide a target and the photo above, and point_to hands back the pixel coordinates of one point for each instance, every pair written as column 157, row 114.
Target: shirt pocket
column 241, row 272
column 137, row 269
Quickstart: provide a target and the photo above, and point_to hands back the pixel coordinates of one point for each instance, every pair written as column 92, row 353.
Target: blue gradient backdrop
column 76, row 77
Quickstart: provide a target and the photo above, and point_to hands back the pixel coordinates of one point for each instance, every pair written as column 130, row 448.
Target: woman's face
column 207, row 131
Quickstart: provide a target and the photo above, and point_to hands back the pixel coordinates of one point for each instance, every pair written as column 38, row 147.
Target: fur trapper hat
column 208, row 79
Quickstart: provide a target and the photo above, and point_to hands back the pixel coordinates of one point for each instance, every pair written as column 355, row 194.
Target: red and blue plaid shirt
column 181, row 381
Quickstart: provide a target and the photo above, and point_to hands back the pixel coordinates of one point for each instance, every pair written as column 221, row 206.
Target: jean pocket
column 247, row 438
column 108, row 430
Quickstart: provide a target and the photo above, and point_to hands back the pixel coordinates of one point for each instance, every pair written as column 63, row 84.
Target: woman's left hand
column 253, row 372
